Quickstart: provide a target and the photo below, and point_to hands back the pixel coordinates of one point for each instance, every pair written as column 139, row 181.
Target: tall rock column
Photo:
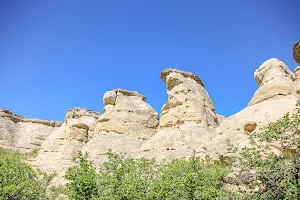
column 188, row 101
column 188, row 119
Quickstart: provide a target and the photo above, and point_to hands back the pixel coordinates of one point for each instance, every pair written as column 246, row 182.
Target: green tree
column 83, row 178
column 18, row 180
column 141, row 178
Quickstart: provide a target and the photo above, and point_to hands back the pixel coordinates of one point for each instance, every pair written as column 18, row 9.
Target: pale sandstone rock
column 130, row 115
column 23, row 133
column 58, row 149
column 274, row 79
column 188, row 101
column 297, row 81
column 187, row 121
column 232, row 129
column 221, row 118
column 296, row 51
column 123, row 126
column 109, row 97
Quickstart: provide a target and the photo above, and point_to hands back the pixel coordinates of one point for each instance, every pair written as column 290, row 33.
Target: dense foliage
column 128, row 178
column 271, row 166
column 18, row 180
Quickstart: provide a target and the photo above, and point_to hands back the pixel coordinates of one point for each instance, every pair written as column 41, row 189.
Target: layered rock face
column 187, row 121
column 274, row 79
column 58, row 148
column 127, row 121
column 23, row 133
column 188, row 101
column 277, row 95
column 126, row 112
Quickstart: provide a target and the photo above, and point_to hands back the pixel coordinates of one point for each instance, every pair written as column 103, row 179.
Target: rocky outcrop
column 126, row 112
column 251, row 118
column 188, row 101
column 187, row 120
column 274, row 79
column 296, row 51
column 58, row 148
column 127, row 121
column 277, row 95
column 23, row 133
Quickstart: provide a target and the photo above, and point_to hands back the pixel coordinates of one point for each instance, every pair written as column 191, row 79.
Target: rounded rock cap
column 168, row 71
column 296, row 51
column 129, row 93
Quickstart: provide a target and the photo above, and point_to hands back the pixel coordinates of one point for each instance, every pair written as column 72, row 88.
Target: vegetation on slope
column 18, row 180
column 268, row 169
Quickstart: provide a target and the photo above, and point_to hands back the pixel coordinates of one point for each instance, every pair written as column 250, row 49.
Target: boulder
column 274, row 79
column 296, row 51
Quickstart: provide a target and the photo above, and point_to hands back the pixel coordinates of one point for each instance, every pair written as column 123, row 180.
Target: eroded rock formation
column 296, row 51
column 277, row 95
column 127, row 121
column 126, row 112
column 187, row 120
column 58, row 148
column 23, row 133
column 274, row 79
column 188, row 101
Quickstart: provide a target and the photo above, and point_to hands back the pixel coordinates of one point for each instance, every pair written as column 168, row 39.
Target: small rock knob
column 296, row 51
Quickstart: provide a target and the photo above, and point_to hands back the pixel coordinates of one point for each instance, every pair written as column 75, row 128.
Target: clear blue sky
column 56, row 54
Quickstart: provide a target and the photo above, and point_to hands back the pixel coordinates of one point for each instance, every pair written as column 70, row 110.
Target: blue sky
column 56, row 55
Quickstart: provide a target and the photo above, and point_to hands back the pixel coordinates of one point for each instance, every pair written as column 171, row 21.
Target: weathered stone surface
column 187, row 121
column 274, row 79
column 297, row 81
column 221, row 118
column 23, row 133
column 123, row 126
column 109, row 97
column 129, row 115
column 82, row 116
column 232, row 128
column 177, row 142
column 250, row 126
column 58, row 149
column 296, row 51
column 188, row 101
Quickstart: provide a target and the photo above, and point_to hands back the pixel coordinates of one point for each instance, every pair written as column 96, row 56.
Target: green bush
column 83, row 178
column 129, row 178
column 270, row 168
column 18, row 180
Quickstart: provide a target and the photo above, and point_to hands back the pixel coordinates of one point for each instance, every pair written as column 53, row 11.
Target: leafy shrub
column 271, row 166
column 83, row 178
column 129, row 178
column 18, row 180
